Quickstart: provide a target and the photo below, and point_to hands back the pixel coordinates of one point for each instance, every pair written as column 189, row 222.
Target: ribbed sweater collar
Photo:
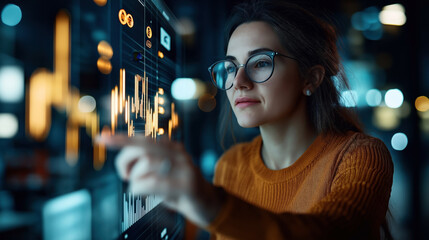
column 311, row 154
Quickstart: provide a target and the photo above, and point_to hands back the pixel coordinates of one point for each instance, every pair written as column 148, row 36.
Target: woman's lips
column 243, row 102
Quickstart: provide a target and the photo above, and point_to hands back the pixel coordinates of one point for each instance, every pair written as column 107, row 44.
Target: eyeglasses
column 259, row 67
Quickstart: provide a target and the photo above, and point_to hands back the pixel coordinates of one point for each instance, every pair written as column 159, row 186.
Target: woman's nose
column 241, row 80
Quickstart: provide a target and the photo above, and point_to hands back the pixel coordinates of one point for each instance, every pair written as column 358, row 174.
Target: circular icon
column 104, row 65
column 130, row 20
column 148, row 44
column 122, row 16
column 148, row 32
column 104, row 49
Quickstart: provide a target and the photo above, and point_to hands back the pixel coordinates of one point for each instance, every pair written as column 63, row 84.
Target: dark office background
column 388, row 69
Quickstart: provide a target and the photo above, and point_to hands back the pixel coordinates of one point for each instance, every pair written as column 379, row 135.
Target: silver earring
column 308, row 92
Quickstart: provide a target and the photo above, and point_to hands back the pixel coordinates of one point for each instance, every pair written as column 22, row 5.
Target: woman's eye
column 230, row 69
column 261, row 64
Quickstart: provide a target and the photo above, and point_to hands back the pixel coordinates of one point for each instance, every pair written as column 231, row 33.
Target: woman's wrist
column 210, row 200
column 216, row 202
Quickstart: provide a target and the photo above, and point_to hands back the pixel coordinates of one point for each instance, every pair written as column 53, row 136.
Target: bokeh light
column 422, row 103
column 183, row 88
column 87, row 104
column 404, row 110
column 11, row 84
column 100, row 2
column 207, row 102
column 399, row 141
column 11, row 15
column 8, row 125
column 187, row 88
column 393, row 14
column 375, row 32
column 385, row 118
column 358, row 21
column 424, row 123
column 208, row 162
column 373, row 97
column 394, row 98
column 368, row 22
column 185, row 26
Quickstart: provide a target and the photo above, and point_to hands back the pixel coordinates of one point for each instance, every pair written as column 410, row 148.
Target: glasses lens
column 223, row 74
column 260, row 67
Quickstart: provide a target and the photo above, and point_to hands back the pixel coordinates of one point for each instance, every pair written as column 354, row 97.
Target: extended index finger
column 121, row 140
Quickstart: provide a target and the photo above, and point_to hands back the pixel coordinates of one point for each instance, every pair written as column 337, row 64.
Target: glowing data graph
column 140, row 106
column 136, row 207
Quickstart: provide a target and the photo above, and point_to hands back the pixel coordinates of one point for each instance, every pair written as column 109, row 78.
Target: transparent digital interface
column 141, row 103
column 138, row 63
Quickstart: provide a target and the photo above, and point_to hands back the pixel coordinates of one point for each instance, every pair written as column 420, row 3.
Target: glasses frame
column 271, row 54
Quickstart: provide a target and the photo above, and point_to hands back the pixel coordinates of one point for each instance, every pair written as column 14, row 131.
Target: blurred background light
column 100, row 2
column 375, row 32
column 370, row 15
column 8, row 125
column 183, row 88
column 373, row 97
column 422, row 103
column 185, row 26
column 104, row 49
column 393, row 14
column 424, row 123
column 358, row 22
column 87, row 104
column 385, row 118
column 207, row 102
column 187, row 88
column 368, row 22
column 104, row 65
column 208, row 162
column 11, row 15
column 362, row 77
column 424, row 115
column 98, row 35
column 68, row 216
column 394, row 98
column 399, row 141
column 404, row 110
column 11, row 84
column 349, row 98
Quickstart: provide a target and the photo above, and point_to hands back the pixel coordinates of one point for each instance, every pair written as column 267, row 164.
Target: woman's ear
column 313, row 79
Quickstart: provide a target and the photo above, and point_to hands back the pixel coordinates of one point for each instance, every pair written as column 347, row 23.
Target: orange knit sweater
column 338, row 189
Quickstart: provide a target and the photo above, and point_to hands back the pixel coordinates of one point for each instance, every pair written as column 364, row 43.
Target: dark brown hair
column 313, row 42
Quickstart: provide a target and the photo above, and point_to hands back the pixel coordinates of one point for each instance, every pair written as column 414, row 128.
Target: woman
column 311, row 174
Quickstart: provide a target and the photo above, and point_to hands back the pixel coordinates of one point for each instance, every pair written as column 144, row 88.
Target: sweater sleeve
column 355, row 206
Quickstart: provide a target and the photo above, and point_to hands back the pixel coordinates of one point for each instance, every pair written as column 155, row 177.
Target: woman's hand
column 166, row 169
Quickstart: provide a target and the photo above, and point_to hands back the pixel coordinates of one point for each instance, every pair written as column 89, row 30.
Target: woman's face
column 273, row 101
